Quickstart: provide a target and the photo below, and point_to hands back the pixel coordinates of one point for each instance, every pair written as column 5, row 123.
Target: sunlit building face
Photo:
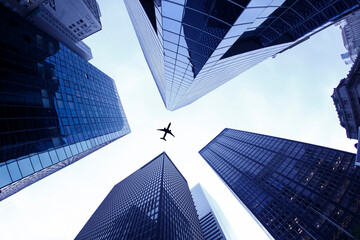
column 193, row 47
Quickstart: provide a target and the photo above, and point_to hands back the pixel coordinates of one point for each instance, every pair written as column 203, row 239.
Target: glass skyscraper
column 294, row 190
column 67, row 21
column 192, row 47
column 152, row 203
column 212, row 221
column 350, row 31
column 55, row 108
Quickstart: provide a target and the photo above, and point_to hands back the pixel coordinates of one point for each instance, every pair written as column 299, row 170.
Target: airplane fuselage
column 166, row 131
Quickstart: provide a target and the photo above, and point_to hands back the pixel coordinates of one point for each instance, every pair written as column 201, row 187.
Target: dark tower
column 55, row 108
column 152, row 203
column 295, row 190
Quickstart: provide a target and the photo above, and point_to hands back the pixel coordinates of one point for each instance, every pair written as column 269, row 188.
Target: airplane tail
column 163, row 139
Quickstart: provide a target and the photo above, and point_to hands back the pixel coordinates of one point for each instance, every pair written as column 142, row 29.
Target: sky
column 287, row 96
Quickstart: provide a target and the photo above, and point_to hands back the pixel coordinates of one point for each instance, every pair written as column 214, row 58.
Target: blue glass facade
column 55, row 107
column 208, row 212
column 193, row 47
column 294, row 190
column 152, row 203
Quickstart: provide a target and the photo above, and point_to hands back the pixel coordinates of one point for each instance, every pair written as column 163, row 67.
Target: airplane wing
column 164, row 130
column 171, row 134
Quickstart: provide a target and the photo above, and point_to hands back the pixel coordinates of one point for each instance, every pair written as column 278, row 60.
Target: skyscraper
column 350, row 31
column 294, row 190
column 152, row 203
column 212, row 221
column 67, row 21
column 55, row 108
column 192, row 47
column 346, row 100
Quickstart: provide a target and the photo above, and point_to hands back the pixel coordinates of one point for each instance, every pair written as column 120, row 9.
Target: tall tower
column 69, row 22
column 193, row 47
column 350, row 31
column 346, row 100
column 55, row 107
column 152, row 203
column 212, row 220
column 294, row 190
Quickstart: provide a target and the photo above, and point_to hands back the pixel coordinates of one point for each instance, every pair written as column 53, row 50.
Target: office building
column 67, row 21
column 346, row 100
column 294, row 190
column 152, row 203
column 213, row 223
column 55, row 107
column 193, row 47
column 350, row 31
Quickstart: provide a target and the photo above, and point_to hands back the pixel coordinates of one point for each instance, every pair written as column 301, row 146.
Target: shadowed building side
column 152, row 203
column 294, row 190
column 55, row 108
column 69, row 22
column 346, row 97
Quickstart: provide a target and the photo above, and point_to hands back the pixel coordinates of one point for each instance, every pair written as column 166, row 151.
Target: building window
column 39, row 42
column 26, row 38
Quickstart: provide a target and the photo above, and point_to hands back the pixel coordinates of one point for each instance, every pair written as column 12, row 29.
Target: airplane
column 167, row 131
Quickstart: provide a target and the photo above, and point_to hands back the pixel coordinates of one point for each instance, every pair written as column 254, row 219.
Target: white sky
column 288, row 97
